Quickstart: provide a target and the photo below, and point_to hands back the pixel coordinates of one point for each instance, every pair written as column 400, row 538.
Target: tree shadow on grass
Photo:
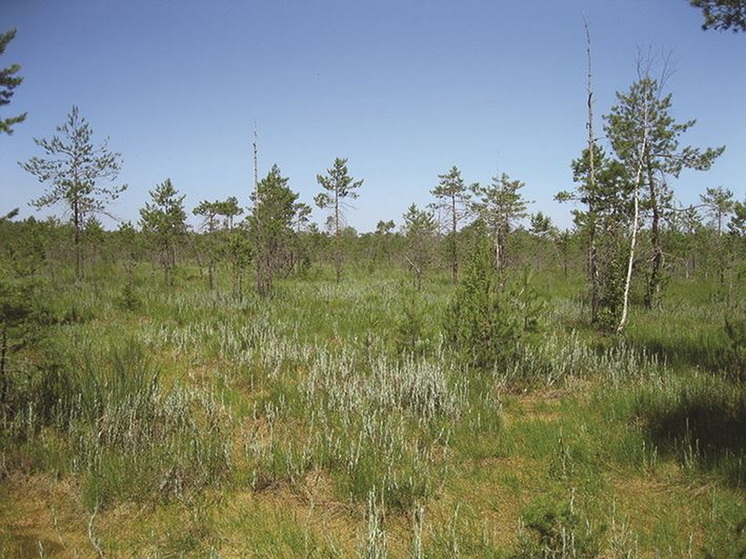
column 703, row 426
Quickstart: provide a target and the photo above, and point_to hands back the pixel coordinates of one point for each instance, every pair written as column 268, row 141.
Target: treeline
column 707, row 244
column 629, row 234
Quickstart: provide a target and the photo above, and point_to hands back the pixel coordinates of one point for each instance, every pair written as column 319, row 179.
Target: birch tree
column 653, row 142
column 605, row 190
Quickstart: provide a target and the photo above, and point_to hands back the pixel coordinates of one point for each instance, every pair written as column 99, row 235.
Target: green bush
column 487, row 320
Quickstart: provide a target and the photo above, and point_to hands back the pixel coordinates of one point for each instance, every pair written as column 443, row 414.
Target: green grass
column 334, row 420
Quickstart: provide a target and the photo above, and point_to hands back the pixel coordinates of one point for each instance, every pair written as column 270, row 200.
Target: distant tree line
column 627, row 225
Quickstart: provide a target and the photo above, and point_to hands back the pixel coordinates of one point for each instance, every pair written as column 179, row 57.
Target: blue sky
column 404, row 89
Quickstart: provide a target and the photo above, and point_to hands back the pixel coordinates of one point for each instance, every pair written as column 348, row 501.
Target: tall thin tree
column 454, row 204
column 592, row 264
column 338, row 186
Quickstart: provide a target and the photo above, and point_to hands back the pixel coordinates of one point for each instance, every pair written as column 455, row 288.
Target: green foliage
column 8, row 82
column 541, row 225
column 129, row 300
column 453, row 198
column 645, row 138
column 122, row 433
column 420, row 230
column 74, row 167
column 198, row 423
column 213, row 242
column 270, row 229
column 500, row 207
column 734, row 355
column 228, row 209
column 412, row 337
column 164, row 222
column 722, row 14
column 555, row 530
column 338, row 186
column 737, row 223
column 23, row 319
column 485, row 322
column 607, row 194
column 698, row 421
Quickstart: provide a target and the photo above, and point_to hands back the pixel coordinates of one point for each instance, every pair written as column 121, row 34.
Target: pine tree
column 75, row 167
column 164, row 222
column 8, row 82
column 420, row 230
column 500, row 206
column 453, row 201
column 606, row 194
column 338, row 186
column 722, row 14
column 271, row 229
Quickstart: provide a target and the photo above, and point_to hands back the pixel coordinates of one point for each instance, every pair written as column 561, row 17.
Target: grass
column 334, row 420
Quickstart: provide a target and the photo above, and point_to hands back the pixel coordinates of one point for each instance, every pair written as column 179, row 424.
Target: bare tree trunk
column 656, row 262
column 593, row 278
column 263, row 273
column 454, row 250
column 76, row 241
column 337, row 240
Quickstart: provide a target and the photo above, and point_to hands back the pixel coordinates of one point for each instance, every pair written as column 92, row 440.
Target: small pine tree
column 480, row 324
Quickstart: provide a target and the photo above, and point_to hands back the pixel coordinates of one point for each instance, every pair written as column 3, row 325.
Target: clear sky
column 404, row 89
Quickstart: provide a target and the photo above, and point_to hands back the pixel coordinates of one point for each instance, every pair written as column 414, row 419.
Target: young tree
column 271, row 228
column 653, row 142
column 128, row 247
column 229, row 210
column 339, row 186
column 500, row 206
column 164, row 222
column 722, row 14
column 737, row 223
column 453, row 201
column 541, row 225
column 485, row 323
column 211, row 211
column 93, row 240
column 8, row 82
column 686, row 236
column 382, row 243
column 74, row 167
column 420, row 230
column 719, row 204
column 302, row 217
column 300, row 253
